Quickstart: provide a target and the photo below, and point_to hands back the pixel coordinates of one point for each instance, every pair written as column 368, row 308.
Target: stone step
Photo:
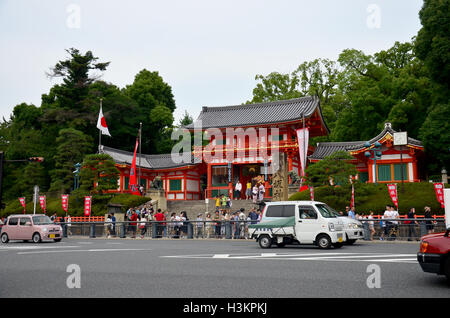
column 194, row 207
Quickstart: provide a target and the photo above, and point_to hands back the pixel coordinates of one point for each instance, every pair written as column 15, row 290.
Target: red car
column 434, row 254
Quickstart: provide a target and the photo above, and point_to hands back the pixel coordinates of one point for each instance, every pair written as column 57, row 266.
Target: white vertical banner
column 447, row 207
column 302, row 139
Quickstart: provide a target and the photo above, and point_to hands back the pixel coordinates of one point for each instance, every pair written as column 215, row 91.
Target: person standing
column 248, row 191
column 352, row 213
column 199, row 225
column 159, row 217
column 255, row 193
column 371, row 225
column 217, row 227
column 108, row 226
column 411, row 223
column 429, row 223
column 69, row 224
column 133, row 224
column 262, row 190
column 113, row 221
column 238, row 190
column 253, row 216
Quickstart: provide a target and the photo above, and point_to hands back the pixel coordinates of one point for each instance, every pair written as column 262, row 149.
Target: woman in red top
column 133, row 217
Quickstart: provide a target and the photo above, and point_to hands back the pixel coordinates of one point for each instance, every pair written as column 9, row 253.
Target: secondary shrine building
column 246, row 142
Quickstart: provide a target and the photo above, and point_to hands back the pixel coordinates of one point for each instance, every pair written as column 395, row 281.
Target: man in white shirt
column 238, row 189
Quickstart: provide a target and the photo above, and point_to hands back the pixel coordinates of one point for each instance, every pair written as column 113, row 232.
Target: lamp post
column 373, row 153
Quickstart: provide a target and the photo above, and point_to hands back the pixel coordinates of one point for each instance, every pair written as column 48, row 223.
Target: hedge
column 375, row 197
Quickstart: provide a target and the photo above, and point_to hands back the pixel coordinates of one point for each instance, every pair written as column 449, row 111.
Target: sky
column 208, row 51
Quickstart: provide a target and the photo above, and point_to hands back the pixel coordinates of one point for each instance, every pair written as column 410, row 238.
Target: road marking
column 33, row 247
column 90, row 250
column 326, row 257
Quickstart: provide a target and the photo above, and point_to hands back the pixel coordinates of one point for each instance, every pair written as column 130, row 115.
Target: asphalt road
column 212, row 268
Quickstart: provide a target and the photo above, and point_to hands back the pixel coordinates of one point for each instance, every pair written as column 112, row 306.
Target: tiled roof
column 257, row 114
column 325, row 149
column 163, row 161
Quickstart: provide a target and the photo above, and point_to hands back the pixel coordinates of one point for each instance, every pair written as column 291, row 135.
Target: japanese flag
column 101, row 123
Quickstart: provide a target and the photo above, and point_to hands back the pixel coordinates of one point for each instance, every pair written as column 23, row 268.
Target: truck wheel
column 265, row 241
column 323, row 241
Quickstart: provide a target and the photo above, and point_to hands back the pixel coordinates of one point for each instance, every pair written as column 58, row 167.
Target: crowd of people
column 389, row 222
column 173, row 225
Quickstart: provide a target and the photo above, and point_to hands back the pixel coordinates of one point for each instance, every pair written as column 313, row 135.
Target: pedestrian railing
column 373, row 229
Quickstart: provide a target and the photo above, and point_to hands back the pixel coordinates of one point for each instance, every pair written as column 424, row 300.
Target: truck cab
column 305, row 222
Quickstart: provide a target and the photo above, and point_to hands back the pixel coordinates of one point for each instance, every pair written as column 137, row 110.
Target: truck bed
column 283, row 226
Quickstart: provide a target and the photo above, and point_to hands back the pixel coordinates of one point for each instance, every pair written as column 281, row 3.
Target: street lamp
column 373, row 153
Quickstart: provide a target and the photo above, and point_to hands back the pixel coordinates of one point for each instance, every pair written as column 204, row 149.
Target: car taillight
column 423, row 247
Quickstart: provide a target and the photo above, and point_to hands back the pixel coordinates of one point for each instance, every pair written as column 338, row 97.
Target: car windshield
column 326, row 211
column 41, row 220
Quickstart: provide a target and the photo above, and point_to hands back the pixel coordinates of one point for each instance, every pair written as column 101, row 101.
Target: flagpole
column 100, row 132
column 140, row 145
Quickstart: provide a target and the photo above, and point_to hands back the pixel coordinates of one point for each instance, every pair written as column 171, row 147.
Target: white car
column 353, row 229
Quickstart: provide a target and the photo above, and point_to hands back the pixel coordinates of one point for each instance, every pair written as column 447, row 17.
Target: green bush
column 375, row 197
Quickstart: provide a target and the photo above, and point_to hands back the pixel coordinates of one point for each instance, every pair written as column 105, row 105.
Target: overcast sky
column 208, row 51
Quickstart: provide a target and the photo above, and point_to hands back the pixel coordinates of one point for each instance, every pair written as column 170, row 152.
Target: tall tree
column 71, row 144
column 156, row 105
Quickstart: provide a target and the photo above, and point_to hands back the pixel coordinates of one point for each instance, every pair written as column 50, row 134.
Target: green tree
column 156, row 105
column 337, row 166
column 98, row 174
column 71, row 147
column 433, row 39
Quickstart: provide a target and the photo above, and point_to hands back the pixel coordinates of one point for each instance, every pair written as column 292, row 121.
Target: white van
column 305, row 222
column 353, row 228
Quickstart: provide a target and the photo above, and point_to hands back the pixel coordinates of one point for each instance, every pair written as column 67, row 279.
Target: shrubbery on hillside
column 375, row 197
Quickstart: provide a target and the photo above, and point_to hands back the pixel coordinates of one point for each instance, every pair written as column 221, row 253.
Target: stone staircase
column 194, row 207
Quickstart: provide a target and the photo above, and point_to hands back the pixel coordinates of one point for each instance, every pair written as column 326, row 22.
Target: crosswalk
column 316, row 256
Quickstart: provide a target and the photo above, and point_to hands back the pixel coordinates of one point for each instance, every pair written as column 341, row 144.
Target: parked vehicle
column 434, row 253
column 353, row 228
column 36, row 227
column 304, row 222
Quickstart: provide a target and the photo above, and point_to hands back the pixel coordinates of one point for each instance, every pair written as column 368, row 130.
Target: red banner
column 87, row 206
column 65, row 201
column 133, row 180
column 42, row 202
column 311, row 190
column 393, row 193
column 352, row 204
column 439, row 189
column 22, row 201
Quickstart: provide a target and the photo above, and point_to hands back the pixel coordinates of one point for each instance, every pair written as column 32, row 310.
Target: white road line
column 34, row 247
column 327, row 257
column 90, row 250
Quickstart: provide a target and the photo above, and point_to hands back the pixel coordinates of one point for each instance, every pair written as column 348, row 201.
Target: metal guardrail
column 392, row 229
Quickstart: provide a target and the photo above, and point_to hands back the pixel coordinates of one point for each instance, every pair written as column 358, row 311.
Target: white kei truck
column 312, row 222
